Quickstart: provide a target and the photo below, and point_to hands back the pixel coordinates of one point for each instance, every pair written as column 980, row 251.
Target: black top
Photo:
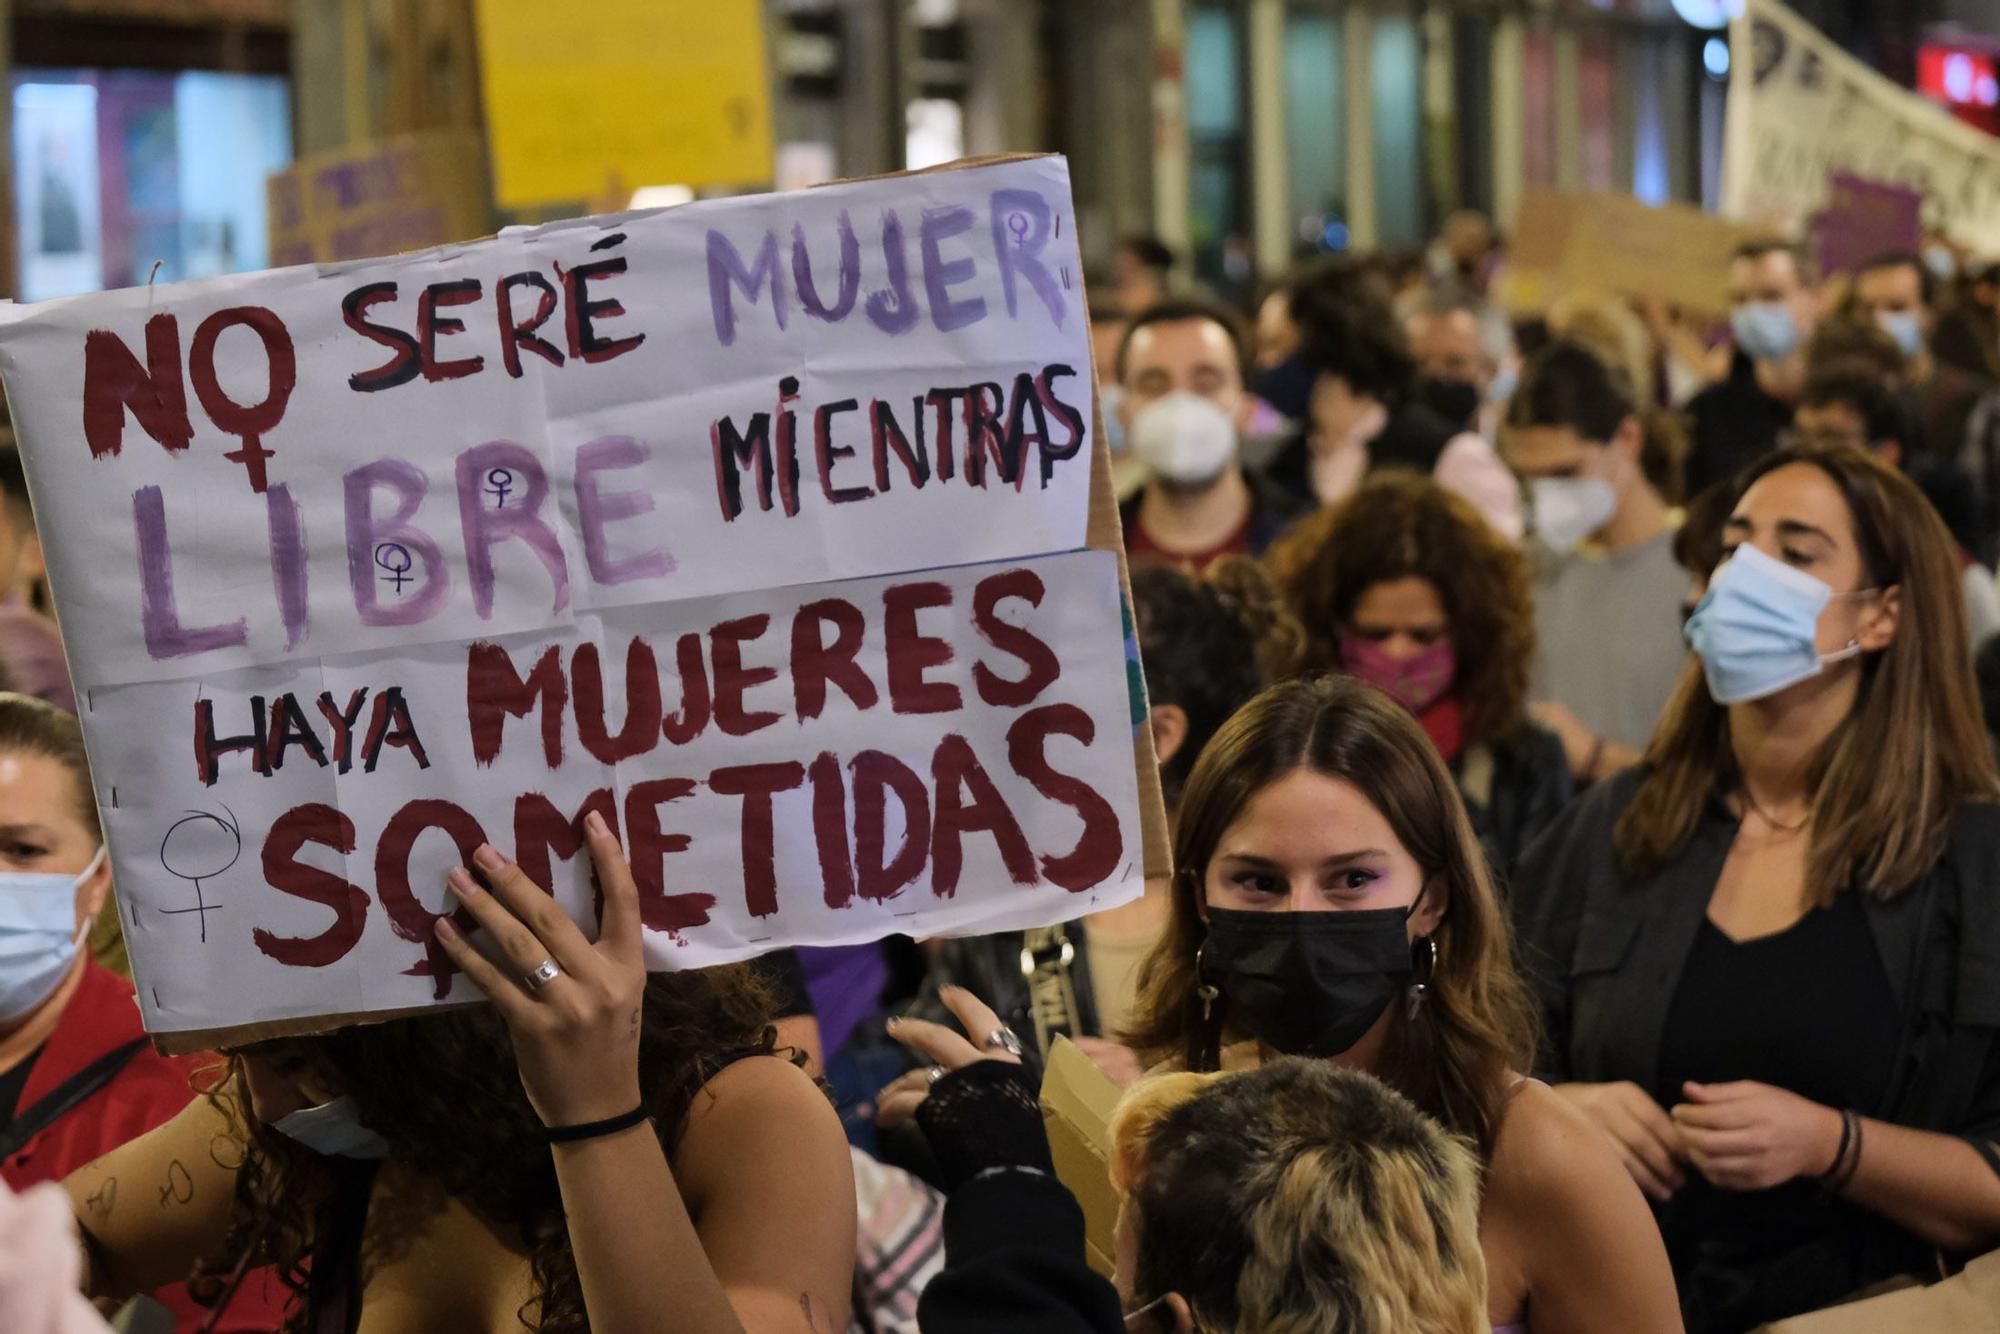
column 1607, row 949
column 1514, row 793
column 1413, row 437
column 1757, row 1010
column 1731, row 425
column 11, row 1084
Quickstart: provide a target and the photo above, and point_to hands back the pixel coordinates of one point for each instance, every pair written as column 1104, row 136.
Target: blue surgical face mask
column 1765, row 330
column 332, row 1130
column 1905, row 326
column 1757, row 628
column 38, row 935
column 1110, row 399
column 1505, row 381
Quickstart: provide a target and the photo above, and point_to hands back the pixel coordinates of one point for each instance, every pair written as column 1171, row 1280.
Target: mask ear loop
column 85, row 927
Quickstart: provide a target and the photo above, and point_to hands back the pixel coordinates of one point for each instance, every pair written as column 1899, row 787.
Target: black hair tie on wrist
column 595, row 1129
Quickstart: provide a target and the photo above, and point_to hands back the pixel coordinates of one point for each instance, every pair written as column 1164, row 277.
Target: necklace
column 1776, row 826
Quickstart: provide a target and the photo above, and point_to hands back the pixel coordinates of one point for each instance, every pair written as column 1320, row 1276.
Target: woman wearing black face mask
column 1332, row 901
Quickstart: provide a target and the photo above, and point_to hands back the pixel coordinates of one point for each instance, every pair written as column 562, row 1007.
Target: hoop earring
column 1206, row 990
column 1423, row 964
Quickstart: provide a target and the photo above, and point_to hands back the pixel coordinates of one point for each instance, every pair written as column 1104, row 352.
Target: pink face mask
column 1415, row 683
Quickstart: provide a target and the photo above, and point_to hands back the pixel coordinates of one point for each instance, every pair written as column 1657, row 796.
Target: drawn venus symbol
column 499, row 482
column 1019, row 224
column 395, row 558
column 200, row 846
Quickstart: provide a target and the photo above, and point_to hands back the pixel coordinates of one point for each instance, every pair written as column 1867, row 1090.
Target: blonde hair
column 1300, row 1198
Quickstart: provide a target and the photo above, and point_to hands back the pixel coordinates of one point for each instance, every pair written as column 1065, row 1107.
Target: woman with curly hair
column 1405, row 587
column 1330, row 901
column 596, row 1150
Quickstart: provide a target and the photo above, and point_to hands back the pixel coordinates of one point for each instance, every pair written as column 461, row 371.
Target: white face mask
column 332, row 1130
column 1569, row 509
column 1184, row 438
column 39, row 935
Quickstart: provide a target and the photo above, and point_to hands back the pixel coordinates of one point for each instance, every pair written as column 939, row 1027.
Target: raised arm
column 765, row 1163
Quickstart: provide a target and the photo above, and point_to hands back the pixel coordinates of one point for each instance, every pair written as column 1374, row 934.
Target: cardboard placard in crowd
column 410, row 192
column 1865, row 219
column 1803, row 111
column 1077, row 1102
column 776, row 530
column 1966, row 1303
column 642, row 94
column 1563, row 243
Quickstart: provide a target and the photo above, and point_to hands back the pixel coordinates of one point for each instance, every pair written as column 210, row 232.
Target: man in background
column 1774, row 310
column 1900, row 294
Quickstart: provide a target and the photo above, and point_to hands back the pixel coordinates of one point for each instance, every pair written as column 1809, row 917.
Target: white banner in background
column 752, row 525
column 1801, row 109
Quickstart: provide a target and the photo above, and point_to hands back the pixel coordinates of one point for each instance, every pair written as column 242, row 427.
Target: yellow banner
column 585, row 101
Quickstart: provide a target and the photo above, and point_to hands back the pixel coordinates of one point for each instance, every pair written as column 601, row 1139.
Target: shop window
column 1315, row 130
column 1218, row 148
column 1395, row 67
column 121, row 176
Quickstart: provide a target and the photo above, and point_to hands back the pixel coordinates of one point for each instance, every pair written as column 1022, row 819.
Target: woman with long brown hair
column 1331, row 900
column 594, row 1150
column 1405, row 586
column 1766, row 956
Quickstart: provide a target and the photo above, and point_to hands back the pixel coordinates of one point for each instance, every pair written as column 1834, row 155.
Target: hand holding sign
column 576, row 1034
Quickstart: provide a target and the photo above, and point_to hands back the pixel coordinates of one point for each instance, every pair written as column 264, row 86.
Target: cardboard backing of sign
column 407, row 192
column 1564, row 243
column 1077, row 1102
column 1966, row 1303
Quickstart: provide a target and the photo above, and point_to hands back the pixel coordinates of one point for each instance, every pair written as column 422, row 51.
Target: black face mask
column 1288, row 387
column 1308, row 983
column 1457, row 401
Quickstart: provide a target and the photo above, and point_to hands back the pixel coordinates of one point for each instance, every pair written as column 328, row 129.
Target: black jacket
column 1730, row 426
column 1414, row 437
column 1514, row 792
column 1605, row 951
column 1013, row 1261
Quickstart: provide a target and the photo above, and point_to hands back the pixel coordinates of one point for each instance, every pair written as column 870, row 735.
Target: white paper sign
column 361, row 566
column 1802, row 110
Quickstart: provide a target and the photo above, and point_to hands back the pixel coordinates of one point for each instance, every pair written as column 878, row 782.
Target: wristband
column 1840, row 1154
column 595, row 1129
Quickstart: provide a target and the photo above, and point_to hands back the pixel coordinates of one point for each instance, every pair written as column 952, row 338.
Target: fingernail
column 446, row 929
column 488, row 859
column 595, row 824
column 894, row 1020
column 461, row 882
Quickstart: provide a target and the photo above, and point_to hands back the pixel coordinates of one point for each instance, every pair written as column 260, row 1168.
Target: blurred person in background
column 1183, row 366
column 1761, row 955
column 1405, row 587
column 1774, row 312
column 78, row 1077
column 1207, row 647
column 1847, row 404
column 1141, row 273
column 1459, row 379
column 31, row 650
column 1361, row 413
column 1332, row 902
column 1608, row 648
column 1900, row 294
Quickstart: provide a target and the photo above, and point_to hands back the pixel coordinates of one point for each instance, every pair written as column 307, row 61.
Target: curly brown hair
column 445, row 1092
column 1401, row 525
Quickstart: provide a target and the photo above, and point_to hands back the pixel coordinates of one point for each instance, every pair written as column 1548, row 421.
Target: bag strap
column 65, row 1096
column 1046, row 955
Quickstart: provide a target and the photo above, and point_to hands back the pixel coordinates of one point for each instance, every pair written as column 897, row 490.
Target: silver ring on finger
column 934, row 1074
column 1004, row 1039
column 544, row 973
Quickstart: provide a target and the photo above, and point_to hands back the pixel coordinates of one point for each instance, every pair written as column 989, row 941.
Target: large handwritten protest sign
column 1803, row 111
column 760, row 527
